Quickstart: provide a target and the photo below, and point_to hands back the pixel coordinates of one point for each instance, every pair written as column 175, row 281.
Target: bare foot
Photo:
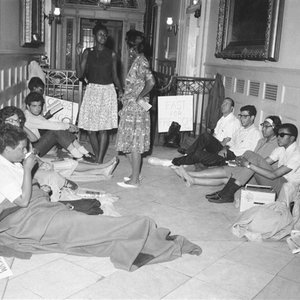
column 186, row 177
column 109, row 170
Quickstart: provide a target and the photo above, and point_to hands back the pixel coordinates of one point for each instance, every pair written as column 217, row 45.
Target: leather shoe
column 91, row 158
column 219, row 199
column 212, row 195
column 181, row 150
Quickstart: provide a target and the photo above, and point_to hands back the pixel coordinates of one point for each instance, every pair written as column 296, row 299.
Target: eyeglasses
column 243, row 116
column 265, row 125
column 12, row 121
column 282, row 134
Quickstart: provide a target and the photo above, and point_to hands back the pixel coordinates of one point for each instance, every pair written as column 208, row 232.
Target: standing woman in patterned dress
column 99, row 110
column 133, row 136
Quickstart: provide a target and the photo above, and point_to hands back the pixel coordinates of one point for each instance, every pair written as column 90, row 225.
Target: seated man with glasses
column 215, row 153
column 287, row 155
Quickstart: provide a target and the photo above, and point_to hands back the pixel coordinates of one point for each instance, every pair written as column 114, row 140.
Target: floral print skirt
column 134, row 129
column 99, row 108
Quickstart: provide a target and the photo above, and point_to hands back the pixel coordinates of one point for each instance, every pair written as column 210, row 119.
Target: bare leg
column 106, row 171
column 83, row 167
column 94, row 142
column 103, row 139
column 136, row 167
column 189, row 180
column 217, row 172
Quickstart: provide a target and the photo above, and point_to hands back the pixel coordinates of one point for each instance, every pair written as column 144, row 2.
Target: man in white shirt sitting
column 56, row 132
column 288, row 171
column 215, row 150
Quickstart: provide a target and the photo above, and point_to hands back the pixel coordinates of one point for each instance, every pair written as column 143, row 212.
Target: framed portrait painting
column 249, row 29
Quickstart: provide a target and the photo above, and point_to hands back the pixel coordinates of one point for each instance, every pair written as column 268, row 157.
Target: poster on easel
column 175, row 108
column 63, row 110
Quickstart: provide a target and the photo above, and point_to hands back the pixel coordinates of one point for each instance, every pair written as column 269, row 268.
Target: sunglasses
column 282, row 134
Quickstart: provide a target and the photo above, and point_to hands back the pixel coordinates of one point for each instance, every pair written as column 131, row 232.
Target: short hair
column 131, row 40
column 34, row 97
column 9, row 111
column 250, row 109
column 99, row 26
column 292, row 129
column 35, row 82
column 10, row 136
column 231, row 100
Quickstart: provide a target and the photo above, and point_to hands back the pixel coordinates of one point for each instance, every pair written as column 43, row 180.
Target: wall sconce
column 56, row 15
column 172, row 27
column 104, row 4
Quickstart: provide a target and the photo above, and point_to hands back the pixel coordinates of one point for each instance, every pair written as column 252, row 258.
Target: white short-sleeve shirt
column 290, row 158
column 11, row 180
column 226, row 127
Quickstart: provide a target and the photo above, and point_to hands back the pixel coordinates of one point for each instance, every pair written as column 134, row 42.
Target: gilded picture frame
column 249, row 29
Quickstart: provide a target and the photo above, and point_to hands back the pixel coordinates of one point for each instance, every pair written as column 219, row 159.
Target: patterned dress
column 134, row 127
column 99, row 109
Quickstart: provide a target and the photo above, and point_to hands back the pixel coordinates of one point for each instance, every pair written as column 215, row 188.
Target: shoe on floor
column 89, row 158
column 212, row 195
column 127, row 185
column 181, row 150
column 219, row 199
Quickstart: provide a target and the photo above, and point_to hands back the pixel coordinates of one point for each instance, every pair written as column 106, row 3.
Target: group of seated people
column 44, row 134
column 270, row 156
column 238, row 152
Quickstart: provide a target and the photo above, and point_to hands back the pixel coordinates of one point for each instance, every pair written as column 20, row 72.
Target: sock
column 82, row 150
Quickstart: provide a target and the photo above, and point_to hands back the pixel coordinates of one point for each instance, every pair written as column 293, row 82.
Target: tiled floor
column 229, row 268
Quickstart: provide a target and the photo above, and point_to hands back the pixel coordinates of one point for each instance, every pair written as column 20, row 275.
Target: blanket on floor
column 129, row 241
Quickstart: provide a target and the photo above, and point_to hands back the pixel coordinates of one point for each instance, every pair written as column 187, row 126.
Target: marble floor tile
column 21, row 266
column 252, row 254
column 99, row 265
column 151, row 282
column 280, row 288
column 57, row 279
column 292, row 270
column 191, row 265
column 197, row 289
column 235, row 277
column 15, row 290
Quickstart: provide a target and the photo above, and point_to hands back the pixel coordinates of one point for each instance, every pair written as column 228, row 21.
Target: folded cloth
column 270, row 221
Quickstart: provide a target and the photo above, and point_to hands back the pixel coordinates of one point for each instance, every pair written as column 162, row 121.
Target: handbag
column 87, row 206
column 172, row 139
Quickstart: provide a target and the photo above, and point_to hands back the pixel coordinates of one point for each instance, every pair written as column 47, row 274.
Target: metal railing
column 182, row 85
column 63, row 84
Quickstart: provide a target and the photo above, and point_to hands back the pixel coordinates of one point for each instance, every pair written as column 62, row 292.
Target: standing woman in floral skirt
column 99, row 110
column 133, row 136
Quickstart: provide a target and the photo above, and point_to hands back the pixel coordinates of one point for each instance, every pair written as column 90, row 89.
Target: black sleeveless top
column 99, row 66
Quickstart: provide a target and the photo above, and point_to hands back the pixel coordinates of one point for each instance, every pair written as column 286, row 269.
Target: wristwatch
column 249, row 165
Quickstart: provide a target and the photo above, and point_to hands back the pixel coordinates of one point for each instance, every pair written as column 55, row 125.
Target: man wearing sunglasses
column 213, row 152
column 287, row 155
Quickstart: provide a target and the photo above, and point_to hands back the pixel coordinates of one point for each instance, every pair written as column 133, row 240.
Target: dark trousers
column 52, row 137
column 204, row 150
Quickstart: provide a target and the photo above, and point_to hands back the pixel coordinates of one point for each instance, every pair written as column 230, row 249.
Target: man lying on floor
column 29, row 222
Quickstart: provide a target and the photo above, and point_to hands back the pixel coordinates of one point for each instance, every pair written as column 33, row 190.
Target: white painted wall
column 285, row 73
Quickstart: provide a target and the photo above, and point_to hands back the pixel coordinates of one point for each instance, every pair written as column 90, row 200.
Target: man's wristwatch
column 249, row 165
